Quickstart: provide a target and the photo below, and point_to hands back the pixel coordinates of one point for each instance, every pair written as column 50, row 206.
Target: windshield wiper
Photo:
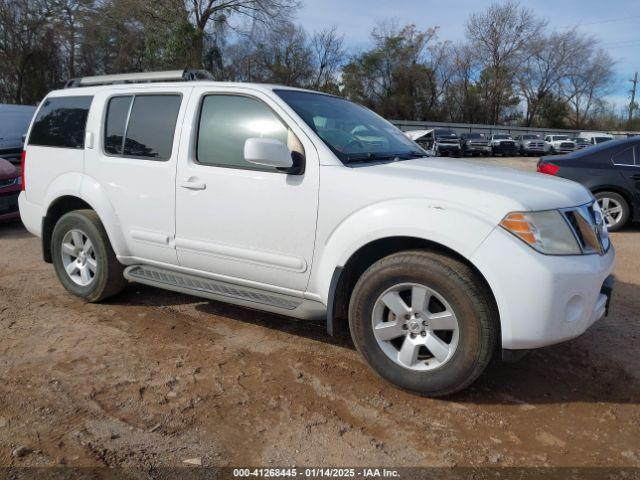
column 366, row 157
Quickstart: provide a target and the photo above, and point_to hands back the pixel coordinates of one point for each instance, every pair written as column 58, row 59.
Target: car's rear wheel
column 83, row 259
column 424, row 321
column 615, row 209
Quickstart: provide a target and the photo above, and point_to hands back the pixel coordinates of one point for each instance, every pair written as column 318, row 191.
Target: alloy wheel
column 611, row 210
column 415, row 326
column 79, row 257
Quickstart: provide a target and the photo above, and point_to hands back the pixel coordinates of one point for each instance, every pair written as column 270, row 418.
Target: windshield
column 474, row 135
column 351, row 131
column 560, row 137
column 602, row 139
column 502, row 137
column 446, row 134
column 530, row 137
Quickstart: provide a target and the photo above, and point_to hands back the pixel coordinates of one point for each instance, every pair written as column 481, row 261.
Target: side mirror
column 271, row 153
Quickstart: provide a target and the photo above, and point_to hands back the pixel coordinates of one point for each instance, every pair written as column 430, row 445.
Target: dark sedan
column 611, row 171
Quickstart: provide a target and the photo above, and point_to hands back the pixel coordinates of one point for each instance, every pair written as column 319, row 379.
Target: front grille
column 566, row 145
column 589, row 228
column 507, row 144
column 8, row 183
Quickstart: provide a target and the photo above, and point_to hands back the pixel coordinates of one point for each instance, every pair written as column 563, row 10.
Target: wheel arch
column 67, row 203
column 344, row 277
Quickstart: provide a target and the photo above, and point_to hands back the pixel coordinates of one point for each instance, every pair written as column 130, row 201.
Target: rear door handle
column 193, row 184
column 635, row 177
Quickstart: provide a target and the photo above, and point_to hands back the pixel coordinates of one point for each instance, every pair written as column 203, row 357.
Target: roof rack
column 141, row 77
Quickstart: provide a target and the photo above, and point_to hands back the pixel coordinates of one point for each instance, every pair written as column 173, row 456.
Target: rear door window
column 141, row 126
column 624, row 157
column 61, row 122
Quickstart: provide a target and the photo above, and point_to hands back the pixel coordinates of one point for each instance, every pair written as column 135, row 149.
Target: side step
column 205, row 287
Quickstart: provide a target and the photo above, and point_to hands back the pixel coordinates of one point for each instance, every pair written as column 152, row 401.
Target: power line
column 609, row 21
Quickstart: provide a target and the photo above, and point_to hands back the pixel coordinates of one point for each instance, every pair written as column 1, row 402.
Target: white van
column 308, row 205
column 595, row 137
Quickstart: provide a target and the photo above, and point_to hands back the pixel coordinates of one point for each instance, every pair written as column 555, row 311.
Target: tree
column 393, row 77
column 500, row 37
column 589, row 80
column 29, row 59
column 208, row 15
column 328, row 55
column 548, row 62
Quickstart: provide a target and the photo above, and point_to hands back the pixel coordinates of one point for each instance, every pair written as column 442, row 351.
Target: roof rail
column 140, row 77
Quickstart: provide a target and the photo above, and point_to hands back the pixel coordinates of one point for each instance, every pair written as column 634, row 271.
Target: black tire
column 466, row 293
column 626, row 211
column 108, row 279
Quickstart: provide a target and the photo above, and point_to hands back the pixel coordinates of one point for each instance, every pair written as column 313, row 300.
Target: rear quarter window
column 61, row 122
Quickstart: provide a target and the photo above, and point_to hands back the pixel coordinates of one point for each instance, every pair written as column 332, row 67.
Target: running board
column 205, row 287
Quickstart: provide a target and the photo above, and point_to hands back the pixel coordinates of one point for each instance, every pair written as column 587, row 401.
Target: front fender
column 439, row 222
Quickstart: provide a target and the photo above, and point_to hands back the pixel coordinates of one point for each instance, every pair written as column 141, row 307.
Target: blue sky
column 615, row 22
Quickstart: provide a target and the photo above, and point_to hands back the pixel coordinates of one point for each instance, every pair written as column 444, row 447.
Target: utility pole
column 632, row 105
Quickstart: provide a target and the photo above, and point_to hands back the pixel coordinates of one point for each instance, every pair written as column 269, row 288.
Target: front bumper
column 512, row 149
column 477, row 148
column 9, row 204
column 445, row 148
column 543, row 299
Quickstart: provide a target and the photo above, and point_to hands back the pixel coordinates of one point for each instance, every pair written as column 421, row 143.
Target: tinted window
column 227, row 121
column 625, row 157
column 116, row 121
column 61, row 122
column 152, row 125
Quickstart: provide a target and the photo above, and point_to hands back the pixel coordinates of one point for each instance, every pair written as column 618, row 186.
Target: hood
column 7, row 170
column 492, row 190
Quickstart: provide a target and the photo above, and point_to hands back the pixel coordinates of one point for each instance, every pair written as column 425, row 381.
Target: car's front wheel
column 615, row 209
column 83, row 259
column 424, row 321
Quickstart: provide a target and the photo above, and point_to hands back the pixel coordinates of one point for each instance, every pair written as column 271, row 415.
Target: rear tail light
column 23, row 161
column 548, row 168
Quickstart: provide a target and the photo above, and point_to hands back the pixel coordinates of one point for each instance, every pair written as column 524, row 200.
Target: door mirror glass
column 268, row 152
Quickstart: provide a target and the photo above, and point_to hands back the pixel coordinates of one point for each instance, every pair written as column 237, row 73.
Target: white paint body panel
column 288, row 233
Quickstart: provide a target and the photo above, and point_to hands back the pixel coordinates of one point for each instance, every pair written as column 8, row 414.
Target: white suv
column 311, row 206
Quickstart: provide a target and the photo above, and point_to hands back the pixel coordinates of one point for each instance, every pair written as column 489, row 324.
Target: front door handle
column 635, row 177
column 193, row 184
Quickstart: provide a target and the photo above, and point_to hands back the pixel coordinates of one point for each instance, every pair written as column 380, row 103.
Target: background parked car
column 558, row 144
column 474, row 144
column 502, row 144
column 611, row 171
column 530, row 144
column 14, row 122
column 10, row 186
column 447, row 143
column 580, row 143
column 594, row 138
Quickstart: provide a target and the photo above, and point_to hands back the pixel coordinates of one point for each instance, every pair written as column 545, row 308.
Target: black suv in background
column 447, row 142
column 474, row 144
column 611, row 171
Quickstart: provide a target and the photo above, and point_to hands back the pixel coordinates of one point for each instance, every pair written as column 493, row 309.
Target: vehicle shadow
column 573, row 371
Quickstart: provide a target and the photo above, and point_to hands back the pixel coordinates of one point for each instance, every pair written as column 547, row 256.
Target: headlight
column 546, row 232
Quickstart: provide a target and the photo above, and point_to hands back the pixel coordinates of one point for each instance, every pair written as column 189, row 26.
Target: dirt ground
column 152, row 378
